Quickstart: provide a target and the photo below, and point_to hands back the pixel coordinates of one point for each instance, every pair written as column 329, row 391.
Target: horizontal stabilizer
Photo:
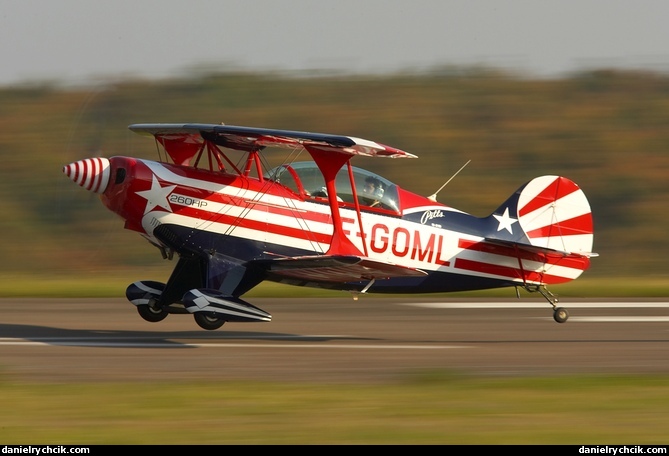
column 336, row 268
column 529, row 249
column 228, row 307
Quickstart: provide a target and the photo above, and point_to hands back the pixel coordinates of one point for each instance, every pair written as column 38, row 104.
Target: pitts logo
column 429, row 215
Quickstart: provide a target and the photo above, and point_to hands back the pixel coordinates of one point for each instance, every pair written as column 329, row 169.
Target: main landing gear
column 210, row 308
column 208, row 321
column 152, row 313
column 205, row 320
column 560, row 314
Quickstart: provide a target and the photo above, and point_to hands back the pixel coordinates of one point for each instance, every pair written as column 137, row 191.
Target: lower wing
column 336, row 268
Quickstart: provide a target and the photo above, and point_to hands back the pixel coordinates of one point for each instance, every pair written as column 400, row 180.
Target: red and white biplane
column 232, row 222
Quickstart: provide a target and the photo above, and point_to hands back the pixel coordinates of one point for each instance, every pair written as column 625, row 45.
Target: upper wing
column 335, row 268
column 250, row 138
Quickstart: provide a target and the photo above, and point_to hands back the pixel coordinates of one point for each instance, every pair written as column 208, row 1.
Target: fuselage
column 243, row 218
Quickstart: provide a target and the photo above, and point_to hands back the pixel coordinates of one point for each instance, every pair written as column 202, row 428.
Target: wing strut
column 329, row 164
column 357, row 206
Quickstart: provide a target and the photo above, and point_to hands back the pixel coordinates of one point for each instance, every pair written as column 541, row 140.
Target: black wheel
column 152, row 314
column 560, row 315
column 208, row 321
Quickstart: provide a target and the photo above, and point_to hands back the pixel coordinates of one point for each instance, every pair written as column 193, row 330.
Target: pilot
column 372, row 191
column 322, row 193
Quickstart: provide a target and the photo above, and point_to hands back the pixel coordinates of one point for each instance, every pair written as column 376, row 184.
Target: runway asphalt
column 373, row 339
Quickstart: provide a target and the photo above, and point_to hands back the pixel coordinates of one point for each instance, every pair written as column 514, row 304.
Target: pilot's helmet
column 373, row 187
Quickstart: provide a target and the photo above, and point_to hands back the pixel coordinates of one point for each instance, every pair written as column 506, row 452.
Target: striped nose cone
column 90, row 173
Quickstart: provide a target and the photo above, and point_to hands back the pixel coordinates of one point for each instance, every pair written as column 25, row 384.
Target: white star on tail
column 157, row 196
column 505, row 221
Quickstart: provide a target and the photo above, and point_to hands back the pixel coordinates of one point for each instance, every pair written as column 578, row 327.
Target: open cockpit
column 370, row 189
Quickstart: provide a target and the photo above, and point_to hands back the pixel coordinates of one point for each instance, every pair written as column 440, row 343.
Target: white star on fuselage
column 157, row 196
column 505, row 221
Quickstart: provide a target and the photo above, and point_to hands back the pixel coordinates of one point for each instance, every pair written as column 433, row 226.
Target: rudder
column 554, row 213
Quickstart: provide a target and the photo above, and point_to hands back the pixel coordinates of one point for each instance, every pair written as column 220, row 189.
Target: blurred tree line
column 607, row 130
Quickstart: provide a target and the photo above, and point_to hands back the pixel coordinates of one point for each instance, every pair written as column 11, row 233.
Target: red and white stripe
column 555, row 214
column 518, row 264
column 244, row 213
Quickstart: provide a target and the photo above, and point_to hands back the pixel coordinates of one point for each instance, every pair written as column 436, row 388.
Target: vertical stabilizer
column 549, row 212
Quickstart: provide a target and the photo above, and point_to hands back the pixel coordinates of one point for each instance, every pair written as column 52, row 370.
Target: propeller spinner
column 90, row 173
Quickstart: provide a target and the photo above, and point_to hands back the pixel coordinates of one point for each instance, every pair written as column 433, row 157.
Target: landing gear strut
column 560, row 314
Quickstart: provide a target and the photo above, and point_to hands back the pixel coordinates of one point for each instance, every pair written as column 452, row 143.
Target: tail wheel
column 152, row 314
column 560, row 315
column 208, row 321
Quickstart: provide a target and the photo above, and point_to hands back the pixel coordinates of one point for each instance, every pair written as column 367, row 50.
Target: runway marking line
column 116, row 342
column 575, row 305
column 620, row 319
column 538, row 305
